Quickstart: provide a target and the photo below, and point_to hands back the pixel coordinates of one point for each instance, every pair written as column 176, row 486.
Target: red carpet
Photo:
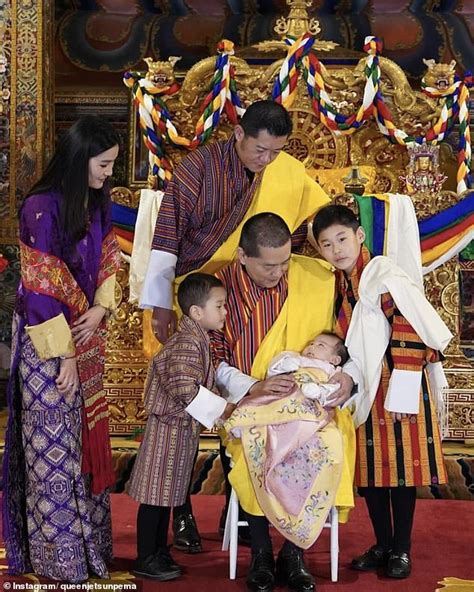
column 442, row 547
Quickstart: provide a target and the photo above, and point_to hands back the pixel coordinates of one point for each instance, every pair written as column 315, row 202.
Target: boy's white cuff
column 206, row 407
column 403, row 394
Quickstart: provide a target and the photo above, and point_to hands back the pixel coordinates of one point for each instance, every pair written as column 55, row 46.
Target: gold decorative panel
column 460, row 402
column 126, row 364
column 392, row 169
column 26, row 34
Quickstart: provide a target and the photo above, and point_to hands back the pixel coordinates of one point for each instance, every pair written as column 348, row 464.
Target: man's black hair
column 263, row 230
column 266, row 116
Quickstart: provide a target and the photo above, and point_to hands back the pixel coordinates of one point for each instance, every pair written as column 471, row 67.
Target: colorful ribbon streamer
column 156, row 122
column 441, row 235
column 157, row 125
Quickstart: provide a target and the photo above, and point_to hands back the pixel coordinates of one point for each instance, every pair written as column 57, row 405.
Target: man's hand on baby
column 340, row 396
column 282, row 384
column 229, row 409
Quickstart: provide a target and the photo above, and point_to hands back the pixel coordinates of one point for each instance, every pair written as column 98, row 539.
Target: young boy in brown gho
column 179, row 398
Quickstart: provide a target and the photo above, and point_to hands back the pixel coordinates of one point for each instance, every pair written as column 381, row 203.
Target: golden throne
column 337, row 161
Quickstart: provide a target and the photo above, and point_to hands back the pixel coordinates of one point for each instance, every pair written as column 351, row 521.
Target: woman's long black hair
column 68, row 172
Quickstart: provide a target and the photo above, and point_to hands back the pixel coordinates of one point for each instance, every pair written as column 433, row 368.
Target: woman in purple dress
column 57, row 465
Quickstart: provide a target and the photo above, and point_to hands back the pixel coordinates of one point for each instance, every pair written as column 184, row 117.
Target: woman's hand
column 68, row 378
column 86, row 325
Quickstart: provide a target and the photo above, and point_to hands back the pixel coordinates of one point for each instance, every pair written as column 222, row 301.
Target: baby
column 316, row 364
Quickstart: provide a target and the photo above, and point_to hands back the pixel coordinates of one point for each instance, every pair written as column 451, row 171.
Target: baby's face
column 323, row 347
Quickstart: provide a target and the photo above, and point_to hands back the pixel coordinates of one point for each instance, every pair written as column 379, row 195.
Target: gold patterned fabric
column 53, row 338
column 105, row 294
column 294, row 458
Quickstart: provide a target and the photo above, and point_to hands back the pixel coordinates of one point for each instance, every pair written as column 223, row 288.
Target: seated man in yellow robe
column 214, row 190
column 277, row 301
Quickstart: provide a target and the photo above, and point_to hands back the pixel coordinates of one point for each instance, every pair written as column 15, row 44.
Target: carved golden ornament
column 125, row 409
column 461, row 415
column 297, row 23
column 461, row 380
column 368, row 147
column 161, row 74
column 27, row 57
column 354, row 182
column 125, row 197
column 450, row 298
column 118, row 293
column 423, row 174
column 439, row 76
column 313, row 144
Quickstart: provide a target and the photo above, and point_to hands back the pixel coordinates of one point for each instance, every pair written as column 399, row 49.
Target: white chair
column 231, row 536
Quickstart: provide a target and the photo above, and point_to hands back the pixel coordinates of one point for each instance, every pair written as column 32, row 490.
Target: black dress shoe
column 371, row 560
column 261, row 576
column 292, row 572
column 166, row 552
column 158, row 567
column 398, row 566
column 186, row 535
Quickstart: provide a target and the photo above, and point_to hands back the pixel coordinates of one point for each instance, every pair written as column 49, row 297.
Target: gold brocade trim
column 92, row 423
column 52, row 339
column 91, row 401
column 332, row 180
column 110, row 258
column 105, row 294
column 48, row 275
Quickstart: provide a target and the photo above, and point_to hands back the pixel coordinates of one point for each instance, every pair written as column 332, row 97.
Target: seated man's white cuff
column 158, row 284
column 232, row 383
column 403, row 394
column 351, row 368
column 206, row 407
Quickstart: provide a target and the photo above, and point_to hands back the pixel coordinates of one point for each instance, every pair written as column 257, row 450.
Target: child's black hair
column 195, row 290
column 331, row 215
